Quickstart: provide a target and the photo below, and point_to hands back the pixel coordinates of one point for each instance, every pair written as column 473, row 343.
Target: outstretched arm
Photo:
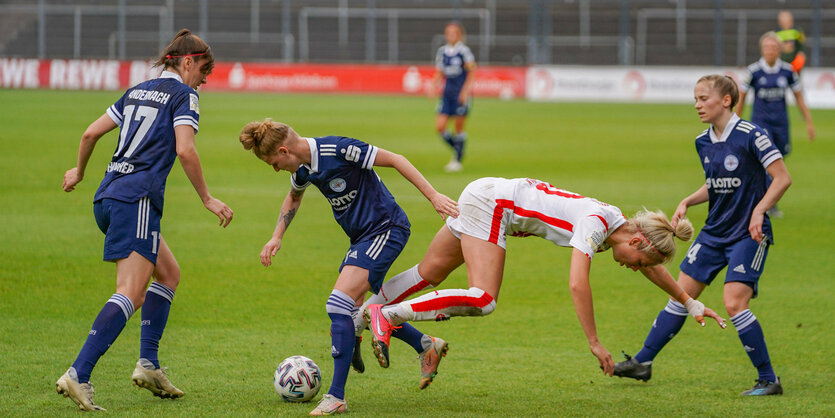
column 807, row 116
column 659, row 275
column 91, row 136
column 288, row 212
column 581, row 295
column 442, row 204
column 190, row 160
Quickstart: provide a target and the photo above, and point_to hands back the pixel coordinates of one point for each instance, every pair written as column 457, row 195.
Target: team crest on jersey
column 193, row 103
column 731, row 162
column 337, row 184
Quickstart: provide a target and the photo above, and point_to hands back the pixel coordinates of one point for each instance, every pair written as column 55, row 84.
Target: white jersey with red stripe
column 533, row 207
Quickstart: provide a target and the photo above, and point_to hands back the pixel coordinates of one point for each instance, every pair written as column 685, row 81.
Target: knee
column 735, row 306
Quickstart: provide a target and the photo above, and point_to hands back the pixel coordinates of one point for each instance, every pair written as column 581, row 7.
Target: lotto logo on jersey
column 342, row 202
column 193, row 103
column 723, row 184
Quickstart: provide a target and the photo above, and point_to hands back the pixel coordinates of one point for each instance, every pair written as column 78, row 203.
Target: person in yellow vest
column 792, row 39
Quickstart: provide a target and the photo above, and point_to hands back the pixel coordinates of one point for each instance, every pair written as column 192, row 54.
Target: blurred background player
column 343, row 170
column 736, row 156
column 158, row 120
column 769, row 78
column 456, row 65
column 493, row 208
column 792, row 40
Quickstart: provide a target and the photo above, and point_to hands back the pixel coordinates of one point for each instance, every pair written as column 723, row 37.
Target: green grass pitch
column 233, row 320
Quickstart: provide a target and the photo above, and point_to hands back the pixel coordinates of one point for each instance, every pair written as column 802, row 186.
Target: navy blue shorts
column 745, row 260
column 451, row 107
column 779, row 133
column 128, row 227
column 376, row 254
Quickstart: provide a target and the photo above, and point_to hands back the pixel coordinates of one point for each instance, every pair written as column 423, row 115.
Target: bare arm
column 91, row 136
column 190, row 160
column 698, row 197
column 781, row 180
column 801, row 104
column 289, row 208
column 467, row 88
column 581, row 295
column 741, row 104
column 442, row 204
column 659, row 275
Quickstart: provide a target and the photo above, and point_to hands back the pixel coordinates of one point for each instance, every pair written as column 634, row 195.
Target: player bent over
column 492, row 208
column 736, row 156
column 343, row 170
column 158, row 120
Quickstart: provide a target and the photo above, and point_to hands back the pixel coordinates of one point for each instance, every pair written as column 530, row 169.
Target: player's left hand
column 223, row 212
column 462, row 98
column 810, row 129
column 71, row 178
column 444, row 205
column 711, row 314
column 755, row 227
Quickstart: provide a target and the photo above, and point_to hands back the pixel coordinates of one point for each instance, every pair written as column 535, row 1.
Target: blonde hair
column 770, row 35
column 724, row 85
column 659, row 233
column 264, row 138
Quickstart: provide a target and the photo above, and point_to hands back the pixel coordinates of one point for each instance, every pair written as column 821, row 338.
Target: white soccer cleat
column 430, row 359
column 453, row 167
column 155, row 380
column 330, row 405
column 80, row 393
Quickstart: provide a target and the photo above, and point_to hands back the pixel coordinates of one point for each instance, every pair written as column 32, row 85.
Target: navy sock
column 154, row 317
column 339, row 308
column 449, row 138
column 665, row 327
column 753, row 341
column 410, row 335
column 107, row 326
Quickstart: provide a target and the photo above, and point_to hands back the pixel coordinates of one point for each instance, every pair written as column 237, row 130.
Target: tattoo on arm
column 288, row 217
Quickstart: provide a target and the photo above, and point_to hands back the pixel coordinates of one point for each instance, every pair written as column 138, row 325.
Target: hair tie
column 674, row 234
column 168, row 56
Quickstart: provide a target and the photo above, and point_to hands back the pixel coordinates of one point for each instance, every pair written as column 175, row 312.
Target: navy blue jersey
column 451, row 61
column 735, row 175
column 146, row 115
column 770, row 84
column 343, row 170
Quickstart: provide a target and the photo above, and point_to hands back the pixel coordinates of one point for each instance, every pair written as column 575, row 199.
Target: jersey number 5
column 145, row 115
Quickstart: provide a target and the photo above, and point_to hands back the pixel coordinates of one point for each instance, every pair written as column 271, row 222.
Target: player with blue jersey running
column 736, row 156
column 158, row 120
column 769, row 78
column 456, row 65
column 343, row 170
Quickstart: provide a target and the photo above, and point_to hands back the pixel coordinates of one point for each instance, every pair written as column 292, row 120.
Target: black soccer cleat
column 634, row 369
column 356, row 359
column 764, row 388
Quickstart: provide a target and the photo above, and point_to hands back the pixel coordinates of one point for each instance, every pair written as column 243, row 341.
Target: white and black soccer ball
column 297, row 379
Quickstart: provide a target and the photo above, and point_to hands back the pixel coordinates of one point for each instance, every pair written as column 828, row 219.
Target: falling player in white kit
column 492, row 208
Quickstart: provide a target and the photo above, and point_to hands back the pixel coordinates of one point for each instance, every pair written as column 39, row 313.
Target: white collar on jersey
column 169, row 74
column 314, row 156
column 769, row 69
column 727, row 132
column 451, row 49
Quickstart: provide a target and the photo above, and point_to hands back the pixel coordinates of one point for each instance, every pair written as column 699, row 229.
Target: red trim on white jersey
column 502, row 204
column 605, row 224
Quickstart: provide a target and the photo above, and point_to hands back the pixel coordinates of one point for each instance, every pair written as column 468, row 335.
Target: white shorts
column 479, row 215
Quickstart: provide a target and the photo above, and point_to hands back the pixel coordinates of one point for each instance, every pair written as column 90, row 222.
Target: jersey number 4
column 145, row 115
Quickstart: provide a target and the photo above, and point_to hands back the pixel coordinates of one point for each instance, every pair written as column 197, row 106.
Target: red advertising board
column 506, row 82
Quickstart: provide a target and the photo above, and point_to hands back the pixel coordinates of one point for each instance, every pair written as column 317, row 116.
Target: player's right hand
column 680, row 213
column 270, row 248
column 605, row 359
column 71, row 178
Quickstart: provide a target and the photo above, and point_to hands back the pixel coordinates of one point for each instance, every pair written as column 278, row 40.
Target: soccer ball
column 297, row 379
